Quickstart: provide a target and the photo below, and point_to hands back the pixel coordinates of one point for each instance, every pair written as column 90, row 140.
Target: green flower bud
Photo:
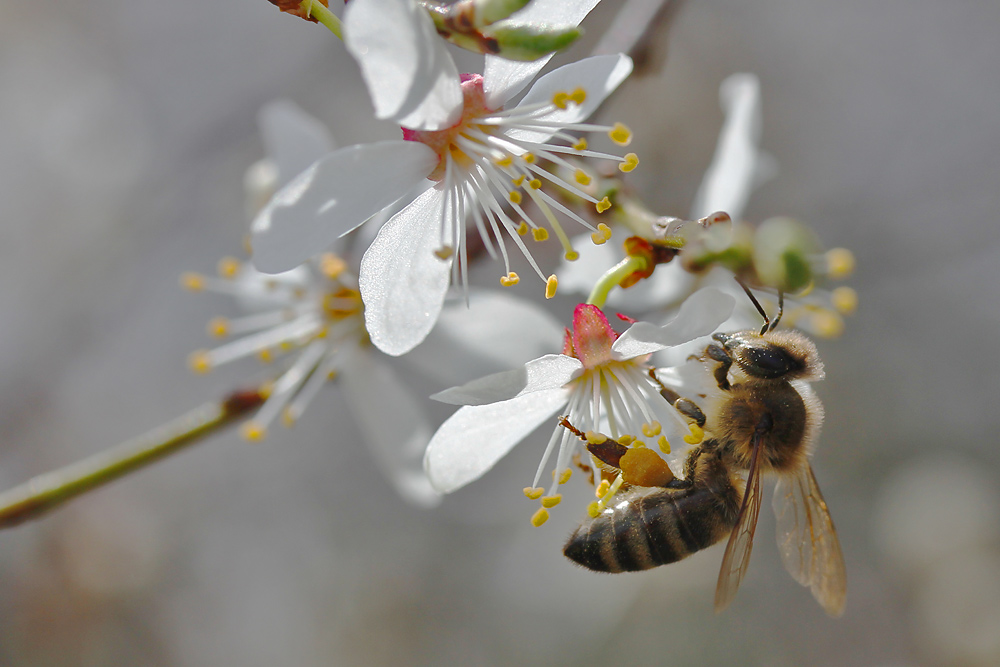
column 527, row 43
column 490, row 11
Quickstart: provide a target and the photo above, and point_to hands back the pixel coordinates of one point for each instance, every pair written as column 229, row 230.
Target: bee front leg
column 719, row 354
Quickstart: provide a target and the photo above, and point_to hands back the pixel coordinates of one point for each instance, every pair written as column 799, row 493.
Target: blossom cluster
column 492, row 164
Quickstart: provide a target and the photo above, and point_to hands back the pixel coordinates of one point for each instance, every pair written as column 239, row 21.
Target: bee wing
column 737, row 557
column 808, row 541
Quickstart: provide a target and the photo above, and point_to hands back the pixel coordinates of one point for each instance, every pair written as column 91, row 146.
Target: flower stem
column 322, row 14
column 614, row 277
column 50, row 490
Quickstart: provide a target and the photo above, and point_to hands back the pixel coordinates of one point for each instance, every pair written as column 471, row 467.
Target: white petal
column 548, row 372
column 406, row 66
column 496, row 331
column 734, row 171
column 293, row 139
column 599, row 76
column 334, row 196
column 699, row 315
column 505, row 78
column 471, row 442
column 373, row 391
column 690, row 377
column 436, row 100
column 402, row 281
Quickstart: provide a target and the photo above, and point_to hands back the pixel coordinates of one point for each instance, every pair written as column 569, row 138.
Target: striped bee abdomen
column 646, row 527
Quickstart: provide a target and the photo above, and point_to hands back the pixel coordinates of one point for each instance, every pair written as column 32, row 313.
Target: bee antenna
column 781, row 310
column 767, row 322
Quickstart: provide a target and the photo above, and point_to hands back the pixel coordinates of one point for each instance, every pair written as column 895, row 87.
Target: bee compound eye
column 768, row 361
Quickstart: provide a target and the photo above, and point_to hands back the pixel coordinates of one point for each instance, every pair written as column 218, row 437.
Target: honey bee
column 764, row 420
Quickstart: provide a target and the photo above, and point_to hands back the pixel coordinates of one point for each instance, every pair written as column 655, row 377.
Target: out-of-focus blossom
column 292, row 140
column 476, row 171
column 312, row 319
column 602, row 383
column 410, row 75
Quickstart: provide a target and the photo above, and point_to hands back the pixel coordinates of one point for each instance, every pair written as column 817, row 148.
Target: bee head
column 784, row 355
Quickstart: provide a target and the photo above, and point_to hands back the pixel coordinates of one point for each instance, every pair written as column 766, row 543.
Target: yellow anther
column 288, row 417
column 522, row 228
column 572, row 255
column 565, row 475
column 561, row 99
column 598, row 238
column 286, row 345
column 827, row 323
column 664, row 444
column 266, row 356
column 228, row 267
column 218, row 327
column 529, row 158
column 510, row 279
column 539, row 233
column 200, row 361
column 602, row 488
column 845, row 300
column 253, row 431
column 638, row 444
column 331, row 265
column 332, row 375
column 539, row 517
column 807, row 290
column 535, row 184
column 192, row 281
column 630, row 163
column 444, row 252
column 323, row 332
column 620, row 134
column 651, row 429
column 533, row 492
column 514, row 197
column 582, row 177
column 603, row 205
column 594, row 438
column 604, row 229
column 579, row 95
column 551, row 501
column 594, row 510
column 839, row 262
column 517, row 181
column 696, row 436
column 505, row 161
column 581, row 145
column 626, row 439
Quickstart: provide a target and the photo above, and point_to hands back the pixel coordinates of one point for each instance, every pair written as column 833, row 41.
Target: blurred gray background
column 125, row 131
